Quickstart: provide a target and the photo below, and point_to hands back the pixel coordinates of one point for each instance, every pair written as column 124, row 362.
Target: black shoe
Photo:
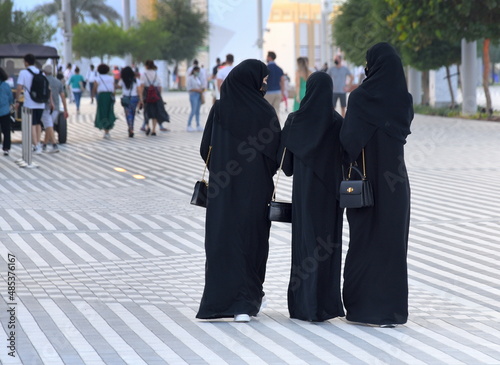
column 153, row 134
column 130, row 133
column 148, row 130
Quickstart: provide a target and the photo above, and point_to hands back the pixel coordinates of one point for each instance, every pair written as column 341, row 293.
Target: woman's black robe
column 378, row 118
column 243, row 130
column 313, row 156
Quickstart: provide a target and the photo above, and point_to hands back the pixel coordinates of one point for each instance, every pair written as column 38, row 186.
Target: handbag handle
column 206, row 163
column 278, row 176
column 351, row 167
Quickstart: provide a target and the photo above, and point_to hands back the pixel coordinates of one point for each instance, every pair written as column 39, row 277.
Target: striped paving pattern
column 110, row 267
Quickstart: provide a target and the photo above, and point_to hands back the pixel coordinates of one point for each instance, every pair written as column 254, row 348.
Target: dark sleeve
column 206, row 140
column 288, row 163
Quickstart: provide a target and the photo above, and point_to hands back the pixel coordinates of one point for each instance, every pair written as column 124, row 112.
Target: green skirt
column 105, row 114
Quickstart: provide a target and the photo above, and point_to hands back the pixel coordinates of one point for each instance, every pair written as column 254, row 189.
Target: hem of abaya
column 316, row 319
column 221, row 315
column 373, row 321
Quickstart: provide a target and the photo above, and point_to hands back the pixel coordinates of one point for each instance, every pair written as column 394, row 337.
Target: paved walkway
column 110, row 268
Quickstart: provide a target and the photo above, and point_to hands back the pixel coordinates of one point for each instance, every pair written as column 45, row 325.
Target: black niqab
column 383, row 93
column 307, row 133
column 246, row 113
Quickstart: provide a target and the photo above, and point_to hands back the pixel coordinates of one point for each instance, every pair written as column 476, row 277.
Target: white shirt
column 91, row 75
column 128, row 92
column 223, row 72
column 149, row 77
column 26, row 79
column 105, row 83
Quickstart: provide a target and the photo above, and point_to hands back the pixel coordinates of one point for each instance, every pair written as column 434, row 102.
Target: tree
column 145, row 41
column 358, row 26
column 23, row 27
column 99, row 40
column 187, row 29
column 419, row 23
column 96, row 10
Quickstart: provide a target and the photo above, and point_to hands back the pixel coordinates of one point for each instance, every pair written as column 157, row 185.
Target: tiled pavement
column 110, row 267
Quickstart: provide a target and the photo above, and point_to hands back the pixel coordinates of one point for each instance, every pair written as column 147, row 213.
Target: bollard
column 27, row 149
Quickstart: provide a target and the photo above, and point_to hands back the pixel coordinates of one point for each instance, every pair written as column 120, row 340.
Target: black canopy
column 16, row 50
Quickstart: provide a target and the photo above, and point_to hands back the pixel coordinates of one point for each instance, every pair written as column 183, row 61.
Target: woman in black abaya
column 313, row 156
column 378, row 119
column 244, row 133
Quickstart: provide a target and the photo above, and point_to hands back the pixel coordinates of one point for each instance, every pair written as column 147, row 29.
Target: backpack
column 40, row 89
column 151, row 92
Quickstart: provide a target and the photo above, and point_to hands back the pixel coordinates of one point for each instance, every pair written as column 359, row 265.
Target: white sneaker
column 54, row 149
column 190, row 129
column 199, row 128
column 263, row 304
column 38, row 150
column 107, row 136
column 242, row 318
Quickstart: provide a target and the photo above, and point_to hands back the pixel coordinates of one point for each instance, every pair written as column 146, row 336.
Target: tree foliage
column 99, row 40
column 359, row 25
column 144, row 41
column 23, row 27
column 96, row 10
column 187, row 29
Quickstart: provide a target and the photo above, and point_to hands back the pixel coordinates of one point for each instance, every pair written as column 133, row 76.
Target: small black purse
column 199, row 197
column 356, row 193
column 280, row 211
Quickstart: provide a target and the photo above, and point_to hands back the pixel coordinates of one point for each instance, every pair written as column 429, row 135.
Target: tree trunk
column 450, row 86
column 425, row 88
column 486, row 75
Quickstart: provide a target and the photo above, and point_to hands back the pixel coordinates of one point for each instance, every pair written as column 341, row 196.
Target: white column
column 126, row 26
column 260, row 30
column 67, row 31
column 415, row 85
column 469, row 77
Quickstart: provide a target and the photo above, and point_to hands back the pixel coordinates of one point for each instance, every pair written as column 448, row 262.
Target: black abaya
column 378, row 118
column 240, row 187
column 313, row 156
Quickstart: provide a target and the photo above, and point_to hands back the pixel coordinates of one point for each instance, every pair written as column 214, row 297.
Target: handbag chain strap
column 364, row 166
column 206, row 163
column 278, row 176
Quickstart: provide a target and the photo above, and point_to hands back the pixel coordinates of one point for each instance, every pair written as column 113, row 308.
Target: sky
column 30, row 4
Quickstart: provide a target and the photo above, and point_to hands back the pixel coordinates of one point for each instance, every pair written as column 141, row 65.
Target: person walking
column 6, row 101
column 222, row 73
column 275, row 83
column 153, row 103
column 91, row 78
column 68, row 72
column 301, row 76
column 104, row 88
column 239, row 190
column 130, row 91
column 195, row 89
column 25, row 81
column 51, row 112
column 339, row 75
column 313, row 156
column 76, row 83
column 376, row 125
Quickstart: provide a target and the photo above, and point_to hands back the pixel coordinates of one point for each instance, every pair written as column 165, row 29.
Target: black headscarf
column 309, row 131
column 382, row 102
column 244, row 112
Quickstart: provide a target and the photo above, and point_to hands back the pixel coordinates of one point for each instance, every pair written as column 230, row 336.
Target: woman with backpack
column 150, row 90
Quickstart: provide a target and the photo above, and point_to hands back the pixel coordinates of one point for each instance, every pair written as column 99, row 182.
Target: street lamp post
column 126, row 26
column 260, row 29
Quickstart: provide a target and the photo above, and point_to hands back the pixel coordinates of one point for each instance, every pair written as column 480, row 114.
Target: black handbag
column 356, row 193
column 280, row 211
column 199, row 197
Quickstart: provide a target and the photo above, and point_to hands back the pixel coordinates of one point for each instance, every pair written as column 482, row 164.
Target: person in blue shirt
column 6, row 100
column 275, row 83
